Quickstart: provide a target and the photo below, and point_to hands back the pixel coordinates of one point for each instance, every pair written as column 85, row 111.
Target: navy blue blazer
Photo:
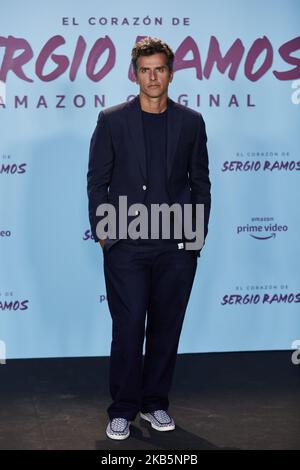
column 117, row 160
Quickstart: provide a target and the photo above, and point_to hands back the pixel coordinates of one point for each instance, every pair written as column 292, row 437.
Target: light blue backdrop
column 52, row 290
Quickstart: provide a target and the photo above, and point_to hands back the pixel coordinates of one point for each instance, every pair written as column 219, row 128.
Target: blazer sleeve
column 100, row 166
column 199, row 172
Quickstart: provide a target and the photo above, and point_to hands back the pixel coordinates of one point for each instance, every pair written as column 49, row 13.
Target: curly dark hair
column 148, row 46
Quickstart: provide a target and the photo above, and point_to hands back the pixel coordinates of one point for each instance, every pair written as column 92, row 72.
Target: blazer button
column 136, row 213
column 144, row 187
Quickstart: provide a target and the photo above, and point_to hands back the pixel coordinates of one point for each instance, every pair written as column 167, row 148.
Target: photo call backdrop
column 61, row 63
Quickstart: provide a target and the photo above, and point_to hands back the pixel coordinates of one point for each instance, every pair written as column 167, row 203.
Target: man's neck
column 153, row 105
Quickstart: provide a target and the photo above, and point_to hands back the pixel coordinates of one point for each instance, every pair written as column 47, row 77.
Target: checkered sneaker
column 159, row 419
column 118, row 428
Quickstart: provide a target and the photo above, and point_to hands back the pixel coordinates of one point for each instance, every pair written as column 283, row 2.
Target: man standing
column 153, row 151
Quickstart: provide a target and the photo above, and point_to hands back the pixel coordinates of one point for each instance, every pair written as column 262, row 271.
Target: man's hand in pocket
column 102, row 242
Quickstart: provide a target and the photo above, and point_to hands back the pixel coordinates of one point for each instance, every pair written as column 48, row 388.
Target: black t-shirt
column 155, row 137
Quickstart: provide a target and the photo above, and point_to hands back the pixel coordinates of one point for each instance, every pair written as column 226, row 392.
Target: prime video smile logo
column 192, row 214
column 262, row 228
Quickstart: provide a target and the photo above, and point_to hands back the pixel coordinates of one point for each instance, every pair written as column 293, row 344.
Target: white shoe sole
column 116, row 437
column 167, row 427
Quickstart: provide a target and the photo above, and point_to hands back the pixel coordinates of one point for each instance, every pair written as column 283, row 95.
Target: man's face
column 153, row 75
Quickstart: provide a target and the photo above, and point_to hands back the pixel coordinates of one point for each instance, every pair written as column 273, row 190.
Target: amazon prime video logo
column 262, row 228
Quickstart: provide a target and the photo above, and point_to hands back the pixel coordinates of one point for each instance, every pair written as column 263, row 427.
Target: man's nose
column 153, row 75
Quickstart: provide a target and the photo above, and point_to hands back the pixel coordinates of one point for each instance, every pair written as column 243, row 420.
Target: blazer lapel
column 174, row 123
column 135, row 126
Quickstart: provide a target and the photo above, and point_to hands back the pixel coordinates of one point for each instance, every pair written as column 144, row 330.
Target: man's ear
column 171, row 77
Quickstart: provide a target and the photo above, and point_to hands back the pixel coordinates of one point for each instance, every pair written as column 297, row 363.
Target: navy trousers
column 145, row 280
